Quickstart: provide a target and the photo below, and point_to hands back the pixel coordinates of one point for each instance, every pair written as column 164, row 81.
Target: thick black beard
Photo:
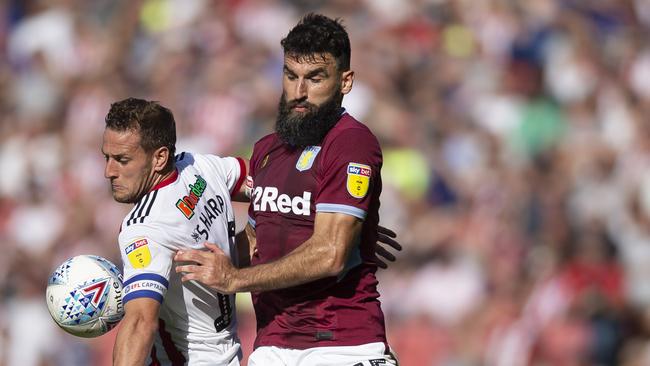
column 309, row 128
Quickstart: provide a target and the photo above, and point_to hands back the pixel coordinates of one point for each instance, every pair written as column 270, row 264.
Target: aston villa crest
column 306, row 159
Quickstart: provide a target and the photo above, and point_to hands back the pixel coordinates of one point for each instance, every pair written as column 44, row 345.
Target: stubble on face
column 134, row 192
column 130, row 180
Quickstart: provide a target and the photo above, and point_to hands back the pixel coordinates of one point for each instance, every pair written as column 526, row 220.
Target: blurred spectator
column 516, row 145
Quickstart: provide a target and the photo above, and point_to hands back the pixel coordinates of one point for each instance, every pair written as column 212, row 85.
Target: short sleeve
column 349, row 174
column 147, row 265
column 233, row 170
column 251, row 180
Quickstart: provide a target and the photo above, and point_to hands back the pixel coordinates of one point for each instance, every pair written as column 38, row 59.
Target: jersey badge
column 306, row 159
column 187, row 204
column 138, row 253
column 358, row 179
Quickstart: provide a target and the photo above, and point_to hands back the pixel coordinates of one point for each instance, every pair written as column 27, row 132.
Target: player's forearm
column 245, row 242
column 134, row 341
column 243, row 250
column 313, row 260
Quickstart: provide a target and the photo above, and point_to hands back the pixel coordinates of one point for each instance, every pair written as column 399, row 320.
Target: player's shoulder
column 191, row 164
column 266, row 141
column 264, row 146
column 350, row 130
column 186, row 158
column 348, row 122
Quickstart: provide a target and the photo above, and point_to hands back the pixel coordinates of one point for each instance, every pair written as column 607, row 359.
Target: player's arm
column 324, row 254
column 233, row 171
column 147, row 265
column 136, row 333
column 246, row 242
column 243, row 192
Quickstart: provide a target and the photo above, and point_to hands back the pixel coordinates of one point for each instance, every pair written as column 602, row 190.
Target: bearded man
column 313, row 218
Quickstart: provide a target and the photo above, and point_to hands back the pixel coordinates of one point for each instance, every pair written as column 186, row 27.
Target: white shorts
column 223, row 352
column 370, row 354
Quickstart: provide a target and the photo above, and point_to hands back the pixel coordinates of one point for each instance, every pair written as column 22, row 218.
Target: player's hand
column 386, row 238
column 212, row 268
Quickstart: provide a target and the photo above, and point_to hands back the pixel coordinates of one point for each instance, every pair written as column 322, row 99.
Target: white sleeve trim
column 344, row 209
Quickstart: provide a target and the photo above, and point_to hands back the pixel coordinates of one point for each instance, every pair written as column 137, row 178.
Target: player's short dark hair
column 154, row 122
column 316, row 35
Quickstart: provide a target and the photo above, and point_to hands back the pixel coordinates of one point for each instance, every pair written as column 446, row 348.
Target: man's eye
column 316, row 80
column 291, row 77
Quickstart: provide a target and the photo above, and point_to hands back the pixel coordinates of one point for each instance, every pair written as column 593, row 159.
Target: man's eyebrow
column 320, row 70
column 287, row 69
column 312, row 73
column 115, row 156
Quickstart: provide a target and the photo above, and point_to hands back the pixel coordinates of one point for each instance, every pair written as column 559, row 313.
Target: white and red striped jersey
column 197, row 324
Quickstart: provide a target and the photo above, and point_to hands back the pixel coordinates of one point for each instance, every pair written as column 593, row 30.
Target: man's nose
column 301, row 89
column 109, row 170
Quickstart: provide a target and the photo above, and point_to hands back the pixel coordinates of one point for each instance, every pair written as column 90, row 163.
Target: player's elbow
column 143, row 324
column 333, row 262
column 330, row 252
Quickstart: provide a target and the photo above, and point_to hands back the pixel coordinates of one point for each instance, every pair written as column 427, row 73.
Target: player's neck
column 162, row 179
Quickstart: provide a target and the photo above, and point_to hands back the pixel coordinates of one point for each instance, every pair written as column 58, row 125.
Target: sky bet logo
column 187, row 204
column 359, row 169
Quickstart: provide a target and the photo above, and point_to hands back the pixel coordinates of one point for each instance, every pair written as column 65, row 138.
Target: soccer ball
column 84, row 296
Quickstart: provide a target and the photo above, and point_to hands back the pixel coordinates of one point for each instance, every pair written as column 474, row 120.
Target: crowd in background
column 516, row 144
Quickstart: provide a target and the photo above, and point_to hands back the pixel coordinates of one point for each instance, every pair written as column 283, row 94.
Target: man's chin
column 298, row 115
column 121, row 198
column 300, row 128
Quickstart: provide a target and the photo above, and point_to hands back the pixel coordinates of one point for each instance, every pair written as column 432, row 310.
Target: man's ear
column 347, row 79
column 160, row 159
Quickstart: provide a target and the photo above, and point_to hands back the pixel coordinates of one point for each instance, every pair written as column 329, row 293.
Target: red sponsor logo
column 187, row 204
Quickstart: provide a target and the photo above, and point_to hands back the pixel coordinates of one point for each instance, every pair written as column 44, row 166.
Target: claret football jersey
column 197, row 324
column 290, row 186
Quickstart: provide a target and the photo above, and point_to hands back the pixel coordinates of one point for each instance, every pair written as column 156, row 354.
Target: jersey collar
column 167, row 181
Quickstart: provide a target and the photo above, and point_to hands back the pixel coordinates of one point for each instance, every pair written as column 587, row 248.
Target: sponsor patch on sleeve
column 138, row 253
column 358, row 179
